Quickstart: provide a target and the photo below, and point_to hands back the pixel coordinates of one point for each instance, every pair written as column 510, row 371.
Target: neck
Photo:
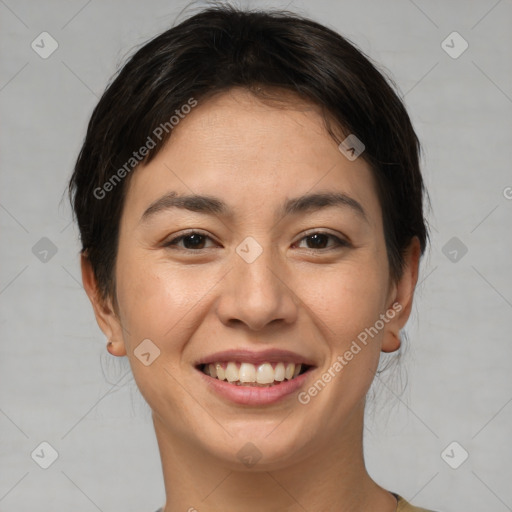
column 333, row 478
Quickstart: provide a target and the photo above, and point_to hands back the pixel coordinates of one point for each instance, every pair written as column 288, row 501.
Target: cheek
column 156, row 299
column 347, row 299
column 160, row 303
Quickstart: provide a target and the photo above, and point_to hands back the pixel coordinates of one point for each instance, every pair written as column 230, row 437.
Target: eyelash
column 340, row 243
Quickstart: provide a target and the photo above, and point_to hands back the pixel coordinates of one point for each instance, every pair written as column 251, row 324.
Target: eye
column 193, row 240
column 320, row 240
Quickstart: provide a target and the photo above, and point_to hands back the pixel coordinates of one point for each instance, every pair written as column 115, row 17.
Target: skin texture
column 313, row 301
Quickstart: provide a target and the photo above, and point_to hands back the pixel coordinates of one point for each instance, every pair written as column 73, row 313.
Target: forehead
column 251, row 153
column 237, row 123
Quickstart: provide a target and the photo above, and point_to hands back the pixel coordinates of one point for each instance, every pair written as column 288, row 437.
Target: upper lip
column 260, row 357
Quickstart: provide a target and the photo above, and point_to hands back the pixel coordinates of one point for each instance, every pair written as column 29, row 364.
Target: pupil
column 197, row 240
column 317, row 240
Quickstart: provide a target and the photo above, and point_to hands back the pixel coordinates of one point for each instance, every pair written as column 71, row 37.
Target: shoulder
column 404, row 506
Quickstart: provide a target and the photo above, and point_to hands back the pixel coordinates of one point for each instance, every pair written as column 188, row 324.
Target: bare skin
column 310, row 298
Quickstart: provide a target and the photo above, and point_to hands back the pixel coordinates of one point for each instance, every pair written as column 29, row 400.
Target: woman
column 249, row 200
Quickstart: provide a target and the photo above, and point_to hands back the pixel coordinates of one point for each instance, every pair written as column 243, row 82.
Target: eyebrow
column 213, row 206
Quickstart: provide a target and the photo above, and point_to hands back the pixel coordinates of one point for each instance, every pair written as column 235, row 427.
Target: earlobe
column 106, row 317
column 402, row 298
column 391, row 341
column 116, row 348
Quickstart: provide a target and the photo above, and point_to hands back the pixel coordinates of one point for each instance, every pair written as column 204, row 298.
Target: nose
column 256, row 294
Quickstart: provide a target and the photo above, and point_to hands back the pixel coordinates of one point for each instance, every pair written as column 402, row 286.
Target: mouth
column 266, row 374
column 252, row 378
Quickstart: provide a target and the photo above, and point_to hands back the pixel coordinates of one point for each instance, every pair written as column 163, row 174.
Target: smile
column 254, row 375
column 255, row 378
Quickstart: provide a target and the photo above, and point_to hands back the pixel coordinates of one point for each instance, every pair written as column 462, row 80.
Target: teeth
column 247, row 373
column 265, row 374
column 232, row 373
column 221, row 374
column 279, row 372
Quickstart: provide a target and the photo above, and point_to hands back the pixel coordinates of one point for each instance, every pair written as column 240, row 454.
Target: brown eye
column 320, row 241
column 190, row 241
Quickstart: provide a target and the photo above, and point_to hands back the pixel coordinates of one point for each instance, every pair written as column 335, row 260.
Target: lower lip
column 254, row 395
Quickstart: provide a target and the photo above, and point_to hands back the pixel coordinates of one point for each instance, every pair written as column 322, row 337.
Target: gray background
column 58, row 383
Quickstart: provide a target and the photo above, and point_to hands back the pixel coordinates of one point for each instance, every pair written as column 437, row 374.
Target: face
column 280, row 262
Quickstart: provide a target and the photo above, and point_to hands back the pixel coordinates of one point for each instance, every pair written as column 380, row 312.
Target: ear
column 106, row 316
column 401, row 298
